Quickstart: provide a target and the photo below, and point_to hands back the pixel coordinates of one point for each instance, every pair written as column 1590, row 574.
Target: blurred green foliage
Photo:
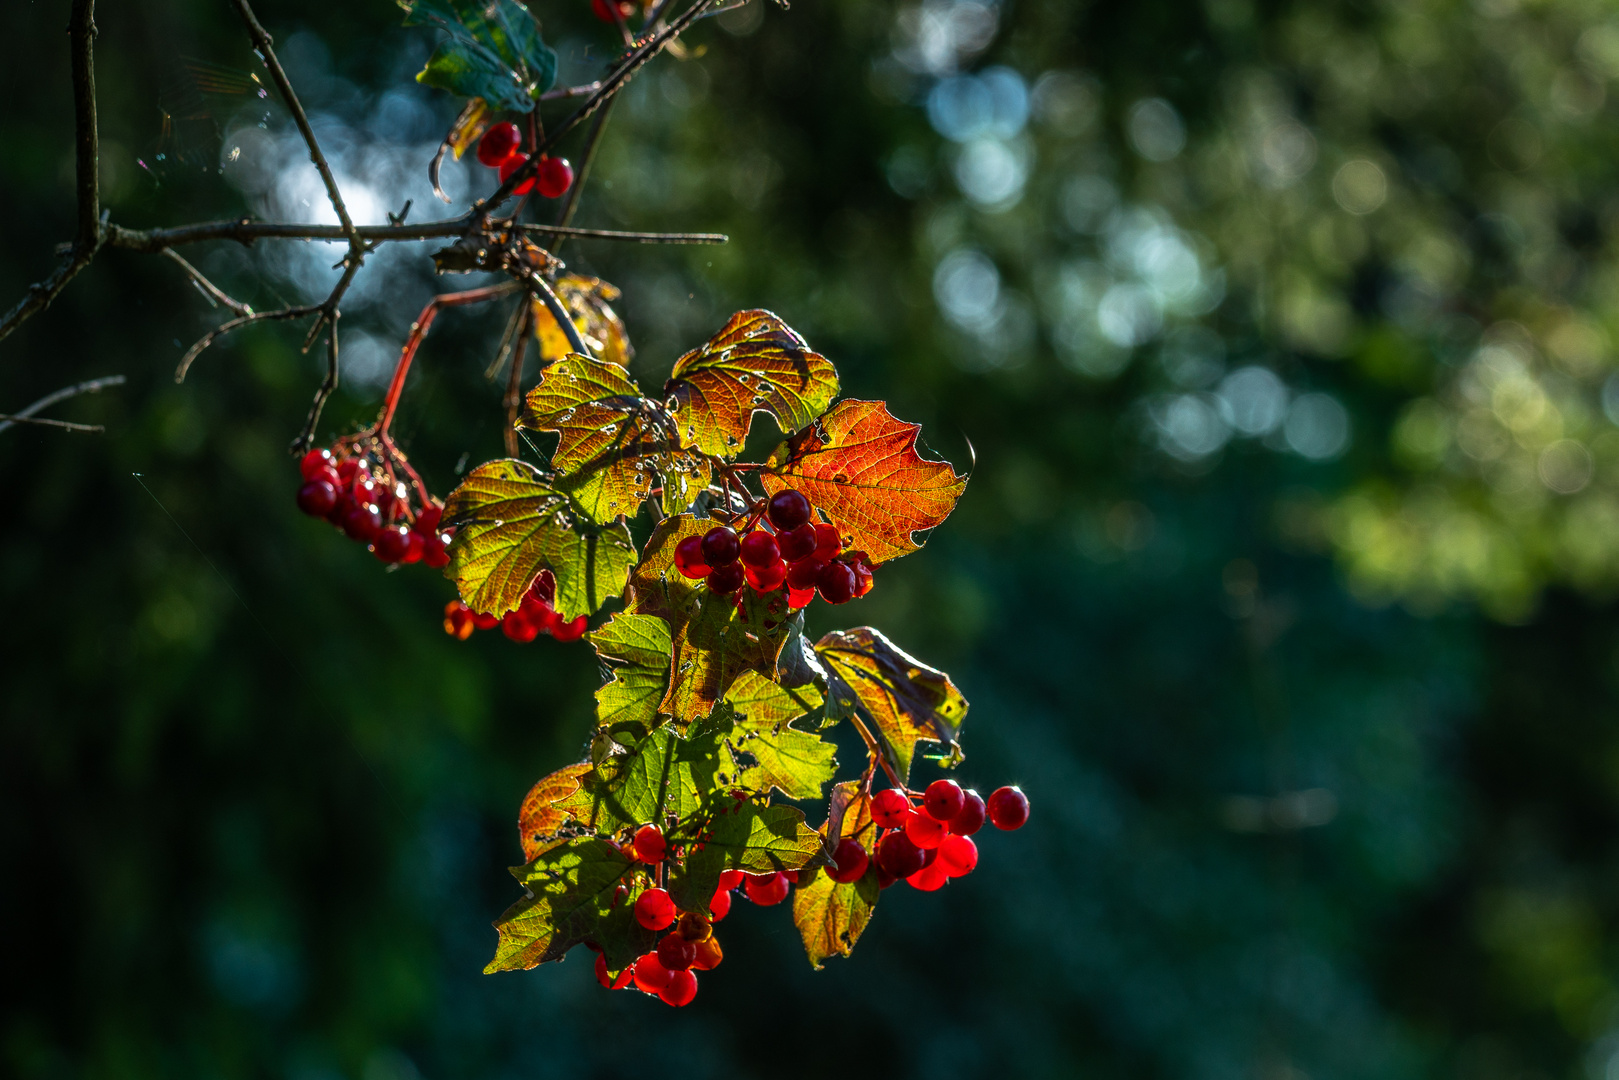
column 1282, row 334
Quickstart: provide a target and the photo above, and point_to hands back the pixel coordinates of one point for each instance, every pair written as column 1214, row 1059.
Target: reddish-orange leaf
column 538, row 820
column 860, row 466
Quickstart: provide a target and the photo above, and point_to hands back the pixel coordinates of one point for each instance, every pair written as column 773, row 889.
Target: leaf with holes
column 757, row 363
column 748, row 837
column 493, row 50
column 591, row 565
column 860, row 466
column 910, row 701
column 574, row 898
column 538, row 821
column 589, row 301
column 830, row 916
column 638, row 649
column 767, row 752
column 663, row 775
column 506, row 518
column 714, row 638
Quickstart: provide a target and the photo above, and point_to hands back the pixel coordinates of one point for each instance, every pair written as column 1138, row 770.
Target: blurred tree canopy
column 1283, row 337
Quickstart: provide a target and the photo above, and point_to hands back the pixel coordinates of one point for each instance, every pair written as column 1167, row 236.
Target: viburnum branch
column 327, row 387
column 552, row 304
column 90, row 386
column 245, row 232
column 214, row 293
column 278, row 315
column 592, row 142
column 87, row 241
column 514, row 379
column 418, row 331
column 875, row 750
column 560, row 92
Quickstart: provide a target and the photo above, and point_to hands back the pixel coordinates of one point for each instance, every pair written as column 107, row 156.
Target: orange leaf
column 538, row 820
column 757, row 363
column 860, row 466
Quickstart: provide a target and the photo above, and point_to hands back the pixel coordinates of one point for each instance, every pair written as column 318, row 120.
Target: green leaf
column 641, row 647
column 744, row 836
column 573, row 898
column 769, row 754
column 831, row 917
column 713, row 642
column 908, row 700
column 591, row 566
column 493, row 51
column 662, row 776
column 757, row 363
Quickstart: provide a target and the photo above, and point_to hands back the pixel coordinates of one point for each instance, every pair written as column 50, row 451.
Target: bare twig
column 328, row 386
column 81, row 32
column 561, row 92
column 592, row 141
column 91, row 386
column 634, row 237
column 514, row 379
column 548, row 297
column 418, row 331
column 246, row 232
column 279, row 315
column 214, row 293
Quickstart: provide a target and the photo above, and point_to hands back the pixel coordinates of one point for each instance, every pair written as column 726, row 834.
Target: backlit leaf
column 493, row 50
column 860, row 466
column 757, row 363
column 588, row 300
column 831, row 917
column 744, row 836
column 639, row 647
column 591, row 565
column 713, row 641
column 574, row 888
column 538, row 821
column 506, row 517
column 908, row 700
column 769, row 753
column 663, row 775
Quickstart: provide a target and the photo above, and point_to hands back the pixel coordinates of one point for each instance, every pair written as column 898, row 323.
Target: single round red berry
column 347, row 468
column 720, row 546
column 930, row 878
column 797, row 543
column 392, row 543
column 654, row 910
column 943, row 799
column 884, row 878
column 517, row 626
column 689, row 557
column 836, row 583
column 413, row 547
column 315, row 462
column 554, row 177
column 759, row 549
column 970, row 818
column 767, row 578
column 726, row 579
column 958, row 855
column 572, row 630
column 788, row 510
column 890, row 808
column 624, row 979
column 924, row 830
column 720, row 905
column 851, row 861
column 675, row 953
column 650, row 846
column 427, row 519
column 804, row 573
column 864, row 578
column 680, row 989
column 767, row 890
column 362, row 523
column 485, row 621
column 317, row 497
column 511, row 165
column 731, row 879
column 457, row 620
column 650, row 975
column 897, row 855
column 799, row 598
column 499, row 143
column 827, row 542
column 435, row 551
column 1008, row 808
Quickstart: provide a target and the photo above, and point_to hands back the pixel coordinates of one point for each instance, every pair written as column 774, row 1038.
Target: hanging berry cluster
column 534, row 616
column 780, row 544
column 501, row 148
column 360, row 494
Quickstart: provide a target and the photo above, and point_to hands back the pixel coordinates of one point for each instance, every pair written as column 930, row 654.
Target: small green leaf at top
column 493, row 50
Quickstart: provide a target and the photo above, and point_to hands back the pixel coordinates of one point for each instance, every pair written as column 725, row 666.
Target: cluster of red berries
column 782, row 545
column 358, row 497
column 502, row 148
column 534, row 616
column 927, row 845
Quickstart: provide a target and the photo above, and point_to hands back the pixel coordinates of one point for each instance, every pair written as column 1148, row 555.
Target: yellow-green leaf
column 506, row 518
column 757, row 363
column 591, row 566
column 767, row 752
column 909, row 700
column 589, row 301
column 748, row 837
column 573, row 888
column 662, row 776
column 831, row 917
column 638, row 648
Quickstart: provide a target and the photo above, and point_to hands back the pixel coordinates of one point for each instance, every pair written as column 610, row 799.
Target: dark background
column 1321, row 745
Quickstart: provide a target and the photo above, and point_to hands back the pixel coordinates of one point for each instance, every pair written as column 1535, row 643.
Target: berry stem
column 418, row 331
column 876, row 753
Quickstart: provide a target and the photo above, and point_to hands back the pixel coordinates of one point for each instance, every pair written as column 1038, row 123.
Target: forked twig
column 91, row 386
column 213, row 292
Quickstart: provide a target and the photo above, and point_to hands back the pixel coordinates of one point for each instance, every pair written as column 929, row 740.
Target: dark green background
column 258, row 807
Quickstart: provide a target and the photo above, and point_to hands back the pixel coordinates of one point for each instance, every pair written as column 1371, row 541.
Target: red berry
column 726, row 579
column 315, row 463
column 680, row 989
column 362, row 523
column 890, row 808
column 604, row 11
column 884, row 878
column 347, row 468
column 943, row 799
column 650, row 846
column 1008, row 808
column 675, row 953
column 924, row 831
column 624, row 979
column 518, row 627
column 799, row 598
column 427, row 519
column 650, row 975
column 554, row 177
column 435, row 551
column 970, row 818
column 413, row 547
column 485, row 621
column 864, row 579
column 511, row 165
column 930, row 878
column 836, row 583
column 317, row 498
column 709, row 954
column 731, row 879
column 767, row 578
column 458, row 620
column 958, row 855
column 851, row 860
column 804, row 573
column 499, row 143
column 392, row 543
column 788, row 510
column 797, row 543
column 689, row 557
column 767, row 890
column 572, row 630
column 720, row 546
column 897, row 855
column 654, row 910
column 827, row 542
column 791, row 876
column 759, row 549
column 720, row 905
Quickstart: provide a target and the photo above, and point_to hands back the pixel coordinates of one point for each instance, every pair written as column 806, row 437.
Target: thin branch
column 68, row 425
column 561, row 92
column 514, row 380
column 213, row 292
column 224, row 328
column 82, row 32
column 592, row 142
column 328, row 386
column 418, row 331
column 246, row 232
column 634, row 237
column 91, row 386
column 548, row 296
